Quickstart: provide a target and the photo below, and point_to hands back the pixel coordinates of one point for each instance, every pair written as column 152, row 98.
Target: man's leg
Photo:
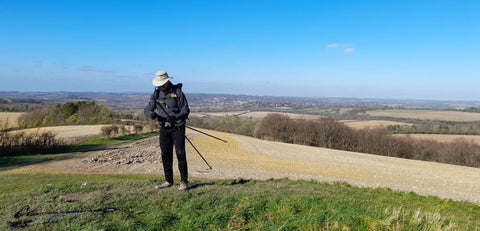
column 166, row 145
column 179, row 140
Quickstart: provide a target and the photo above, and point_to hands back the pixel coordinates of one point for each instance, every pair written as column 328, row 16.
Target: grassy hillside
column 223, row 204
column 216, row 204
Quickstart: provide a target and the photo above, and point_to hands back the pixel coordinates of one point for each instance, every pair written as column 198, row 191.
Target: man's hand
column 153, row 116
column 171, row 119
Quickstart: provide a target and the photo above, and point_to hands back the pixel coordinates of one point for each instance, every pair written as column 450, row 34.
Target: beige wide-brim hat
column 161, row 78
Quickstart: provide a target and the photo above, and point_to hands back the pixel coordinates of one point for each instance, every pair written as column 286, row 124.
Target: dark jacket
column 173, row 101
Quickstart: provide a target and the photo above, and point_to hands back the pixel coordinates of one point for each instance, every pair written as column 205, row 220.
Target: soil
column 250, row 158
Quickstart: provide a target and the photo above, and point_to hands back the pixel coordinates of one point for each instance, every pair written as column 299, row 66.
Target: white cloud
column 346, row 46
column 333, row 45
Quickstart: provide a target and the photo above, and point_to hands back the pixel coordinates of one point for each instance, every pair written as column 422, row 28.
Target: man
column 170, row 107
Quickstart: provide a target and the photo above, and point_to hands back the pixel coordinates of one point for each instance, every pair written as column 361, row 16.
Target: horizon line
column 274, row 96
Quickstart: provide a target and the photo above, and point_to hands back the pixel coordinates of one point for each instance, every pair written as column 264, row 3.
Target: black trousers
column 170, row 137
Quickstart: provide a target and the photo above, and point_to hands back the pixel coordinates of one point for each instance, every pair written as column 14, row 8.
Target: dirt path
column 249, row 158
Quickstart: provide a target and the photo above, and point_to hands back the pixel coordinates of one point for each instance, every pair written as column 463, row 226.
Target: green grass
column 225, row 204
column 217, row 204
column 93, row 144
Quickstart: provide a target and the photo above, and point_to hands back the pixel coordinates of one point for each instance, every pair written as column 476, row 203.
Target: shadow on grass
column 239, row 181
column 198, row 185
column 24, row 158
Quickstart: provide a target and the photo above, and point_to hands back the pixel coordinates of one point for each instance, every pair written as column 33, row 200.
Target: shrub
column 114, row 130
column 109, row 131
column 81, row 112
column 277, row 127
column 17, row 142
column 137, row 128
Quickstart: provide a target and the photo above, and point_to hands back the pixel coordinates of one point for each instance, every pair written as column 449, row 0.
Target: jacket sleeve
column 150, row 108
column 183, row 105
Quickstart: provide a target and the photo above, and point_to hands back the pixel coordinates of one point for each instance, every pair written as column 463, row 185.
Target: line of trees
column 330, row 133
column 81, row 112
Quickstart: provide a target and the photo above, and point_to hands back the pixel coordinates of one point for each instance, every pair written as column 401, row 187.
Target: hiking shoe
column 165, row 184
column 183, row 186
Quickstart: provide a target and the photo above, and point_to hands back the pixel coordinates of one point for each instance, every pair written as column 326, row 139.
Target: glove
column 171, row 119
column 153, row 116
column 162, row 119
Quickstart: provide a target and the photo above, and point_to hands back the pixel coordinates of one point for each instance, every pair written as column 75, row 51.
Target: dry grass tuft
column 401, row 217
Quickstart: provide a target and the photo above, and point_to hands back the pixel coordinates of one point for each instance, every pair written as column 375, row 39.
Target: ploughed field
column 455, row 116
column 10, row 118
column 357, row 124
column 69, row 132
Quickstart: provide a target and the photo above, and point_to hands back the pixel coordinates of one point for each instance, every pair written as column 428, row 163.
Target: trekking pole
column 24, row 223
column 206, row 134
column 166, row 113
column 198, row 152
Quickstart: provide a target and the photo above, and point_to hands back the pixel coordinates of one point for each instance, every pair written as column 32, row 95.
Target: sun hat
column 161, row 77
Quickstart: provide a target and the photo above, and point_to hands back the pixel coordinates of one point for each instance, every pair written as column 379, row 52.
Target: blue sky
column 362, row 49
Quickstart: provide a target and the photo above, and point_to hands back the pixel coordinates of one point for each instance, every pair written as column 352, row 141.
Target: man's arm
column 149, row 110
column 183, row 105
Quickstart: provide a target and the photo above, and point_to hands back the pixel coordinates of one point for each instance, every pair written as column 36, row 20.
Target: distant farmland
column 357, row 124
column 10, row 117
column 69, row 132
column 442, row 138
column 257, row 114
column 455, row 116
column 62, row 132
